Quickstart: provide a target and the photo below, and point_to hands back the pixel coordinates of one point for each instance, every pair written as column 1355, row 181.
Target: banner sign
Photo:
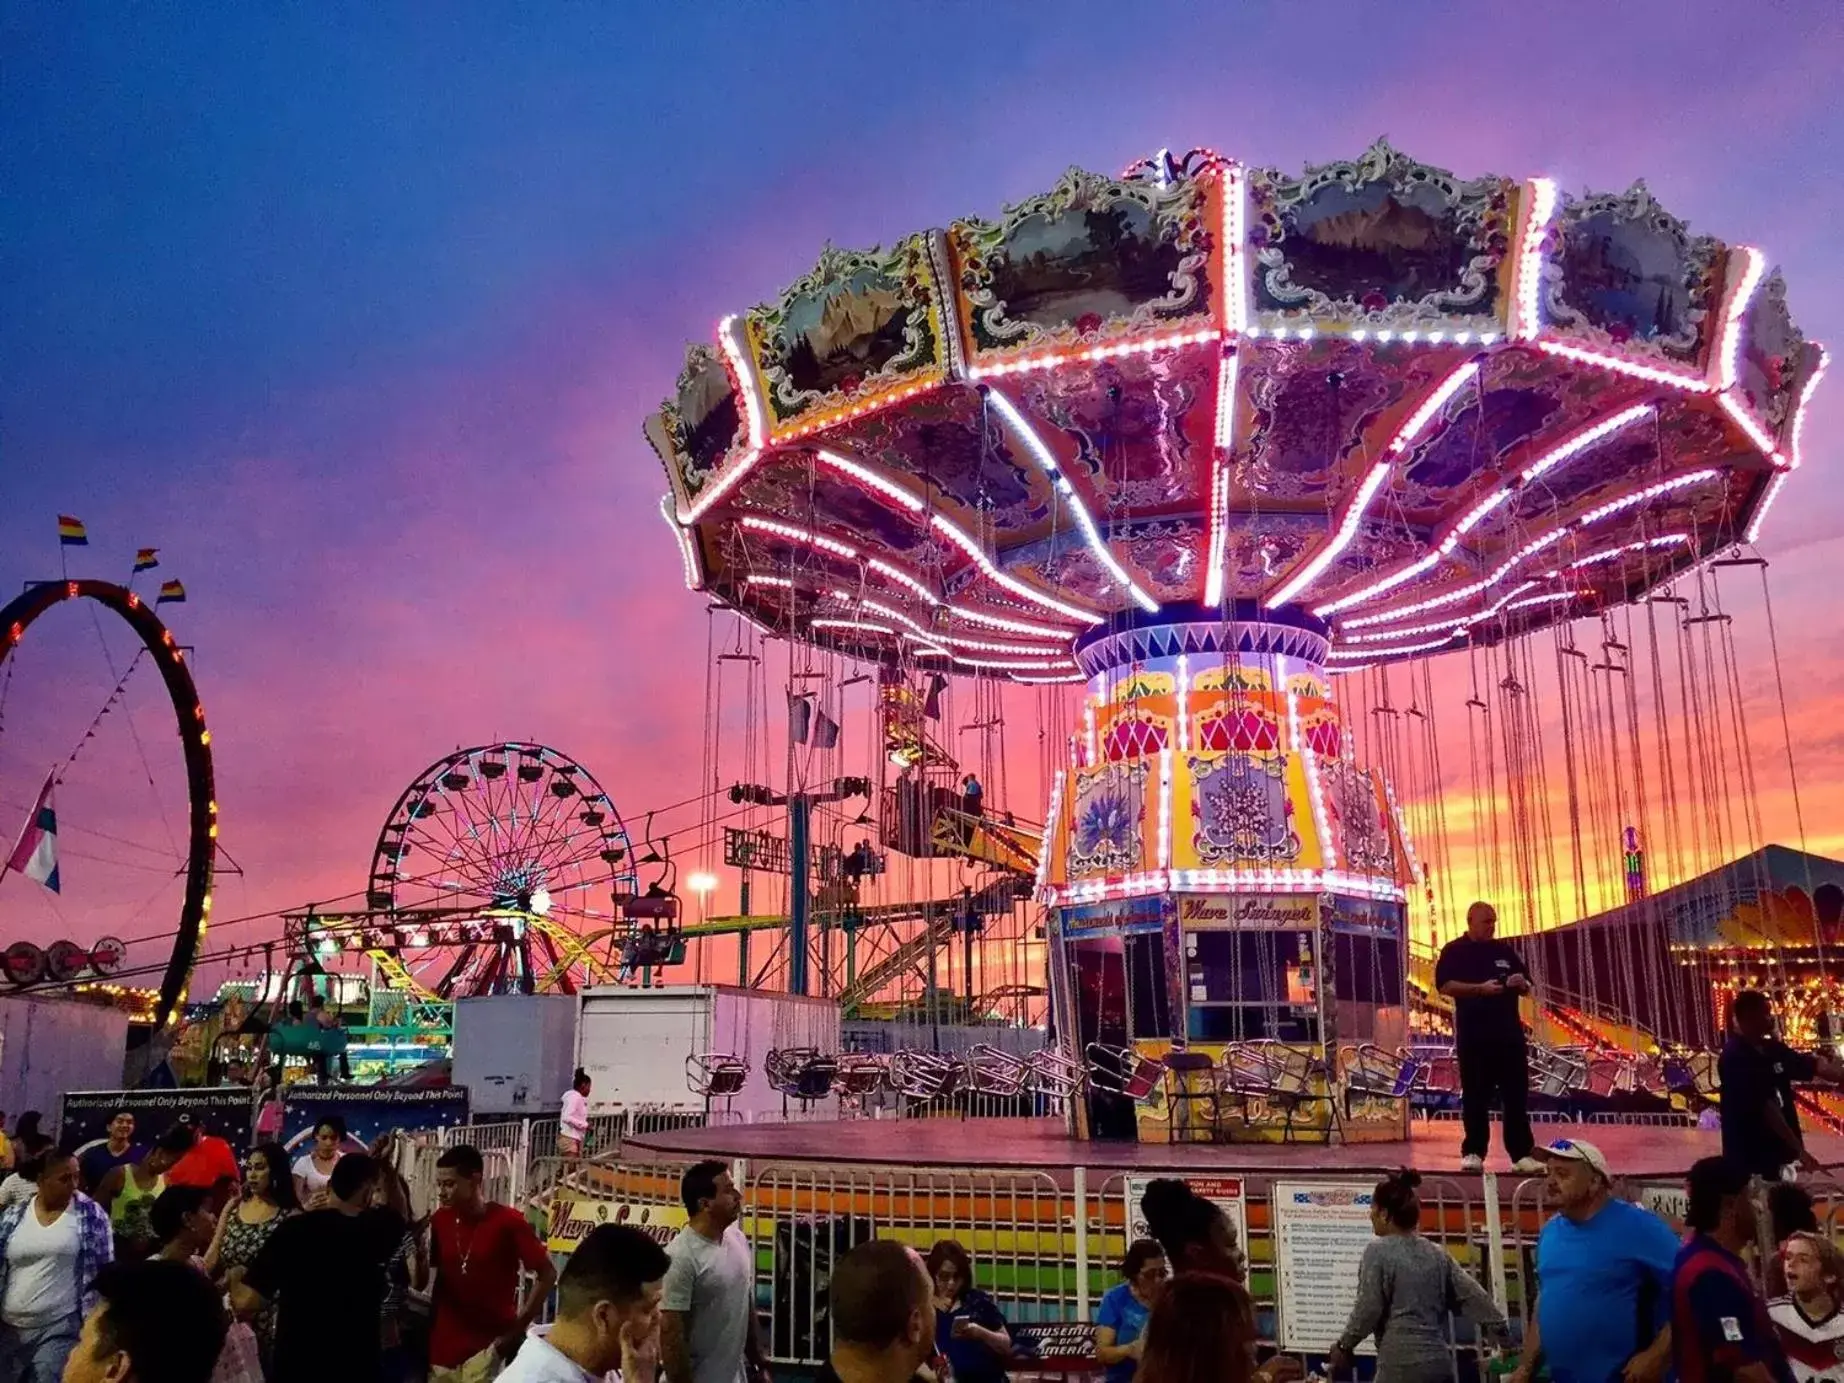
column 571, row 1220
column 1366, row 916
column 226, row 1110
column 1283, row 912
column 1227, row 1193
column 1057, row 1345
column 1320, row 1232
column 1119, row 916
column 1668, row 1200
column 370, row 1110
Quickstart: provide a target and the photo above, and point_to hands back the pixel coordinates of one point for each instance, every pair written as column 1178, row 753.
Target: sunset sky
column 354, row 312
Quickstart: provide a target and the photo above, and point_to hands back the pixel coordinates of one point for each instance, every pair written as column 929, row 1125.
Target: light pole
column 703, row 884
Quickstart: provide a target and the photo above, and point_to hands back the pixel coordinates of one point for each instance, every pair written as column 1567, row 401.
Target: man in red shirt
column 210, row 1164
column 477, row 1248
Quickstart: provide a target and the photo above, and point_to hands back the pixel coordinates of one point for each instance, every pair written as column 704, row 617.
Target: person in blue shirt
column 1603, row 1279
column 1720, row 1329
column 1120, row 1324
column 969, row 1329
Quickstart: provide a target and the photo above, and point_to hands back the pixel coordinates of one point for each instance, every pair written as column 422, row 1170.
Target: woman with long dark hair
column 1407, row 1288
column 1198, row 1238
column 1201, row 1330
column 249, row 1218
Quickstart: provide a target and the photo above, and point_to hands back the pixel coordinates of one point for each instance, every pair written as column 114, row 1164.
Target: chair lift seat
column 1054, row 1074
column 924, row 1075
column 1123, row 1071
column 862, row 1073
column 992, row 1071
column 716, row 1076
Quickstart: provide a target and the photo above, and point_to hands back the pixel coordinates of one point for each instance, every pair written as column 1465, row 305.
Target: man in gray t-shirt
column 708, row 1303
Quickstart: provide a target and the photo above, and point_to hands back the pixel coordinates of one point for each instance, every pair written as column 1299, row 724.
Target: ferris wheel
column 498, row 870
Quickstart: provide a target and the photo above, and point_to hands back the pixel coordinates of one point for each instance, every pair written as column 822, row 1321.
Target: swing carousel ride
column 1251, row 478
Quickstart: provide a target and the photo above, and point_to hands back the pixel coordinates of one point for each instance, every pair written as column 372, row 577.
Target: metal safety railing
column 1045, row 1245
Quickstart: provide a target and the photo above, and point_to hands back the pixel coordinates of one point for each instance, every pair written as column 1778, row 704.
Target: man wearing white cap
column 1603, row 1278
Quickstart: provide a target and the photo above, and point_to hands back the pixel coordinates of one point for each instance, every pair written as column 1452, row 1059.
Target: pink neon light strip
column 1690, row 384
column 1051, row 359
column 1165, row 808
column 864, row 475
column 1676, row 482
column 1754, row 264
column 1354, row 514
column 1608, row 554
column 729, row 337
column 1739, row 414
column 744, row 381
column 1528, row 295
column 1663, row 487
column 1774, row 487
column 799, row 535
column 1219, row 478
column 1010, row 583
column 688, row 557
column 1234, row 271
column 961, row 612
column 862, row 626
column 1426, row 647
column 1529, row 549
column 846, row 550
column 1046, row 462
column 936, row 637
column 1805, row 401
column 1571, row 446
column 1052, row 809
column 1225, row 881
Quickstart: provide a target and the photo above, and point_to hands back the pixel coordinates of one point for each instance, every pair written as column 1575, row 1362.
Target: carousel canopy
column 1418, row 409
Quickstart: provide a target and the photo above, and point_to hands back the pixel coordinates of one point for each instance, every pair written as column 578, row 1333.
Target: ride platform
column 1633, row 1151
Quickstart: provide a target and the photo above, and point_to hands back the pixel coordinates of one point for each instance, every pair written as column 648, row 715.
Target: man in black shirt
column 883, row 1315
column 1760, row 1117
column 326, row 1272
column 1485, row 978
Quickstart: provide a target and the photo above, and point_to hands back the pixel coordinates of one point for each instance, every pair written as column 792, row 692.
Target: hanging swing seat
column 714, row 1076
column 1123, row 1071
column 924, row 1075
column 861, row 1074
column 1373, row 1072
column 1689, row 1072
column 1054, row 1074
column 1557, row 1071
column 801, row 1073
column 992, row 1071
column 1275, row 1077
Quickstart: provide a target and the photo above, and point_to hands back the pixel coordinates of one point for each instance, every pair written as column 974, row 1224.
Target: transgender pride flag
column 36, row 854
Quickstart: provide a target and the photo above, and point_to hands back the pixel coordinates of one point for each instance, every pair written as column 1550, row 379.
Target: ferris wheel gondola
column 491, row 870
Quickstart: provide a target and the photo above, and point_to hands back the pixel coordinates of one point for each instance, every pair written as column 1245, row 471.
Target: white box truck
column 514, row 1053
column 634, row 1044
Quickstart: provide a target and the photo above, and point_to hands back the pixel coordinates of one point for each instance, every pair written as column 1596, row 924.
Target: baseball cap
column 1576, row 1150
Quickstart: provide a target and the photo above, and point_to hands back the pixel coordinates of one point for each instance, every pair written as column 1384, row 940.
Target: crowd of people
column 248, row 1279
column 172, row 1260
column 280, row 1268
